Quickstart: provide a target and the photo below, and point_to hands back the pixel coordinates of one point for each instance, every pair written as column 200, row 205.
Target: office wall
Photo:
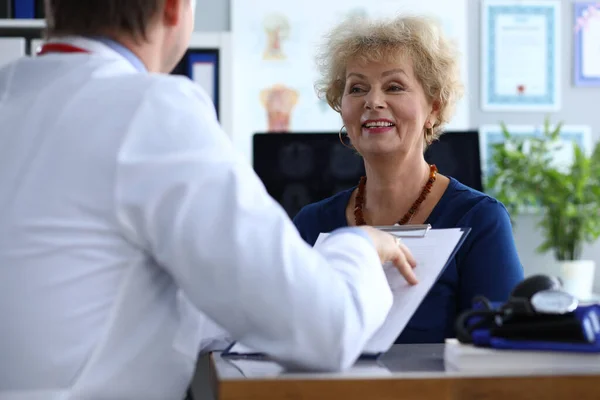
column 579, row 106
column 213, row 15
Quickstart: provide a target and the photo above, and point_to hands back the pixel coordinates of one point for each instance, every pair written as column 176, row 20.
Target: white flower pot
column 578, row 277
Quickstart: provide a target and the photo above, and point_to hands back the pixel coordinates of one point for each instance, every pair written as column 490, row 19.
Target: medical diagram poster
column 274, row 45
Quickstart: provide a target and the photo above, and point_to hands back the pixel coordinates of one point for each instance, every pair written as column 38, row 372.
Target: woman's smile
column 377, row 126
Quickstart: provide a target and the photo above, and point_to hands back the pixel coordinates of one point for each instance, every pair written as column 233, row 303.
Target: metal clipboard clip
column 406, row 231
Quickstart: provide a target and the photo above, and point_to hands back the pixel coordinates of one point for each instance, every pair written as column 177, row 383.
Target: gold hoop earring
column 342, row 140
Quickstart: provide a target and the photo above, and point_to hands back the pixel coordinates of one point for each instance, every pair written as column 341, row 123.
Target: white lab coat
column 123, row 211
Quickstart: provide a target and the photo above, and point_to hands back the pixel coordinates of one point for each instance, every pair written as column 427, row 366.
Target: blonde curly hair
column 435, row 59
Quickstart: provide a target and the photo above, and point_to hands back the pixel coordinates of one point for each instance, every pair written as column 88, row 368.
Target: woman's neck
column 392, row 188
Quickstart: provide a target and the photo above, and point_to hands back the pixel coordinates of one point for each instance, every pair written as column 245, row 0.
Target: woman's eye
column 355, row 89
column 395, row 88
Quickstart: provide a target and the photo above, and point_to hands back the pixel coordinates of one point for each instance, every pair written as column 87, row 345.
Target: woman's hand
column 391, row 249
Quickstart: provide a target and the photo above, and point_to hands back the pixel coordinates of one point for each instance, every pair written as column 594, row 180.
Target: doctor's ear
column 172, row 11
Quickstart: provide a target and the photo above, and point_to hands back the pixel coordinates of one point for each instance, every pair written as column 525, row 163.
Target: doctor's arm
column 188, row 199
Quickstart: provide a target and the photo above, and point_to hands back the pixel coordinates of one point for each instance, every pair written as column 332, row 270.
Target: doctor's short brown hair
column 100, row 17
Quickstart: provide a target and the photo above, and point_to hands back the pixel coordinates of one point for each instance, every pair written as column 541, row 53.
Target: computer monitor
column 302, row 168
column 456, row 154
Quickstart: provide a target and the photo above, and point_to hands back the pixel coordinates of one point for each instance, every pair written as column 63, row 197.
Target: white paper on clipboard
column 432, row 252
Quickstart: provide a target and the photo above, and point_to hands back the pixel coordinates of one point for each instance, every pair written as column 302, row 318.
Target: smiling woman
column 395, row 83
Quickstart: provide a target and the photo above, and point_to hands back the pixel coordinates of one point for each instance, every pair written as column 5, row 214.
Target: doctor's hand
column 391, row 249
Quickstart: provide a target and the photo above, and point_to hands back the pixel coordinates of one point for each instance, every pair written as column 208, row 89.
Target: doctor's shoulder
column 172, row 116
column 169, row 92
column 177, row 91
column 159, row 96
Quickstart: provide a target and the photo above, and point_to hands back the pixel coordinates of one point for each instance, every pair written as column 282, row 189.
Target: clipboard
column 406, row 304
column 406, row 231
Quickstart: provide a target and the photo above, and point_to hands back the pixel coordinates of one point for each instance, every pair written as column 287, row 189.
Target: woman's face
column 384, row 107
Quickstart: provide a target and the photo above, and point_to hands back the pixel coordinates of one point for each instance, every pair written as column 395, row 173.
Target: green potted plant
column 526, row 177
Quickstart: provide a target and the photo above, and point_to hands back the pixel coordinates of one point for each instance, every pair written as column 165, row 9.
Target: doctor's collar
column 76, row 41
column 123, row 51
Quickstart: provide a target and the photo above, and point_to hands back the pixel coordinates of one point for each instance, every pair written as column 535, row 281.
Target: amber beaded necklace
column 359, row 202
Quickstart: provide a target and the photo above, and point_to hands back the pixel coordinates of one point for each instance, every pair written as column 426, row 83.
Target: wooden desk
column 406, row 372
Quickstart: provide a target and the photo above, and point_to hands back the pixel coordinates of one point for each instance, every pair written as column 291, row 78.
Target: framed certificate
column 586, row 43
column 208, row 63
column 201, row 65
column 203, row 68
column 520, row 55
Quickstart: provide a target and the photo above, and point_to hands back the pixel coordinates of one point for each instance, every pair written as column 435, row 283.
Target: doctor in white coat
column 128, row 225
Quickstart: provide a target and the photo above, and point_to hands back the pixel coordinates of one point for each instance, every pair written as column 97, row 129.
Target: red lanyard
column 60, row 48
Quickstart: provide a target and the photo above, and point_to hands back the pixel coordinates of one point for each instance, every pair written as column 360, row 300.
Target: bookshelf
column 30, row 29
column 32, row 24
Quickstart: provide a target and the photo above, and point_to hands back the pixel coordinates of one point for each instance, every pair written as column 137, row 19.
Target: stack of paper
column 469, row 358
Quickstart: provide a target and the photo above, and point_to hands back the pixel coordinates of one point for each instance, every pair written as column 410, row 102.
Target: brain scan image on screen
column 344, row 163
column 294, row 197
column 296, row 160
